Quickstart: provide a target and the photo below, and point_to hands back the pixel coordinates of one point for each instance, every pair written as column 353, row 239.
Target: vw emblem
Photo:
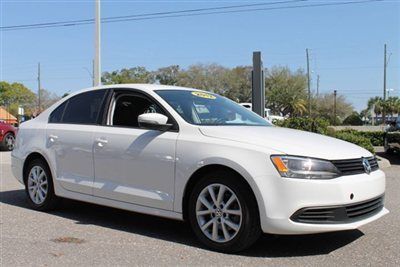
column 366, row 165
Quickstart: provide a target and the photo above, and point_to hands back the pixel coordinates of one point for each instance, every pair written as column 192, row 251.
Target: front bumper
column 283, row 197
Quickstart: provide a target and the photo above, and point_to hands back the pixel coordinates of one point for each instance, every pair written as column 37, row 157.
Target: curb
column 383, row 163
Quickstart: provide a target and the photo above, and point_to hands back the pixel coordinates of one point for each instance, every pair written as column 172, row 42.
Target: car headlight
column 304, row 168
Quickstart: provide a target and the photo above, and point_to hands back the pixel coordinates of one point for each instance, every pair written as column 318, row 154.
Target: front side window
column 201, row 108
column 127, row 108
column 84, row 108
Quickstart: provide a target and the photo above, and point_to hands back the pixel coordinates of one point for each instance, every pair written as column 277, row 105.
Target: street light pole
column 97, row 62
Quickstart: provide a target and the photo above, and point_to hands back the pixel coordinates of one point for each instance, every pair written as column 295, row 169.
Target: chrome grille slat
column 354, row 166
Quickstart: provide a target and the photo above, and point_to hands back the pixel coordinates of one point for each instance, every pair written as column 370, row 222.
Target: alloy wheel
column 219, row 213
column 37, row 185
column 10, row 141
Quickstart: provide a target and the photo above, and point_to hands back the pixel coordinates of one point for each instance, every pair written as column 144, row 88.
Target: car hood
column 288, row 141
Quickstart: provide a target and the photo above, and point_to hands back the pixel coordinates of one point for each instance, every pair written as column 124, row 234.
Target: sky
column 345, row 42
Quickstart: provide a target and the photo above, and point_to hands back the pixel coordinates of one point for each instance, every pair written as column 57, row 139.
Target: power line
column 150, row 16
column 106, row 19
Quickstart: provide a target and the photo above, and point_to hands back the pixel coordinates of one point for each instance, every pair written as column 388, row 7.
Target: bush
column 353, row 119
column 355, row 139
column 375, row 137
column 305, row 124
column 364, row 139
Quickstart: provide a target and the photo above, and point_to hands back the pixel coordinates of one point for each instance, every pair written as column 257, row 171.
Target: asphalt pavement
column 81, row 234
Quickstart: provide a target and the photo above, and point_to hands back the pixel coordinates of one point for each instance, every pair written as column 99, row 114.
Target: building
column 7, row 117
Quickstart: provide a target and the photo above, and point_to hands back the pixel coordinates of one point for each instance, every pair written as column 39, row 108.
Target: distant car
column 267, row 114
column 392, row 137
column 192, row 155
column 7, row 136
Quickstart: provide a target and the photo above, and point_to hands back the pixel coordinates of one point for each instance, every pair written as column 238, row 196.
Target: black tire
column 387, row 148
column 51, row 201
column 5, row 145
column 250, row 229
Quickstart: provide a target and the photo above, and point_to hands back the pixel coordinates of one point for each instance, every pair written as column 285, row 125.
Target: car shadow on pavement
column 175, row 231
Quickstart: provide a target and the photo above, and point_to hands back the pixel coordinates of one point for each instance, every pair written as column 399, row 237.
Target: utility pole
column 308, row 83
column 317, row 85
column 334, row 106
column 93, row 82
column 258, row 85
column 97, row 63
column 39, row 90
column 384, row 84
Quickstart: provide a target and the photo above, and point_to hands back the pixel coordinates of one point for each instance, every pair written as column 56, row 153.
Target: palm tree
column 377, row 105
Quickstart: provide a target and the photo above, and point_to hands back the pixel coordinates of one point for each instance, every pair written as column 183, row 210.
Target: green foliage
column 14, row 95
column 286, row 91
column 363, row 139
column 305, row 124
column 353, row 119
column 379, row 106
column 393, row 137
column 375, row 137
column 168, row 75
column 132, row 75
column 355, row 139
column 323, row 107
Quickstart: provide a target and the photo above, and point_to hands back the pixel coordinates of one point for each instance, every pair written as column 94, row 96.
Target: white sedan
column 192, row 155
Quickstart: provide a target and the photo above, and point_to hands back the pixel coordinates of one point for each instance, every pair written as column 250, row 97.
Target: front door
column 131, row 164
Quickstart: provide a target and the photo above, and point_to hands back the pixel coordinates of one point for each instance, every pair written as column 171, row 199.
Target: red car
column 7, row 136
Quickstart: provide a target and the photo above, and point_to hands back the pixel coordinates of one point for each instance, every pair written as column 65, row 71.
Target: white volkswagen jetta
column 191, row 155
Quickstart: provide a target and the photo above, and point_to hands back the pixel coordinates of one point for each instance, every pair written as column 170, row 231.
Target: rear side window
column 84, row 108
column 56, row 115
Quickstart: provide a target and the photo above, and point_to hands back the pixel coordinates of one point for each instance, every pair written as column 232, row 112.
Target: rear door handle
column 53, row 138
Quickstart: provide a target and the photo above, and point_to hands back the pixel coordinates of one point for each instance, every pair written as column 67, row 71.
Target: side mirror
column 154, row 121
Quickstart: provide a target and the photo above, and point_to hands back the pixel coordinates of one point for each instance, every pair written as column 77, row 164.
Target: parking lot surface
column 82, row 234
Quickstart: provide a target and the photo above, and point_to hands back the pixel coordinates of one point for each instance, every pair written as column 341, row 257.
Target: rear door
column 69, row 136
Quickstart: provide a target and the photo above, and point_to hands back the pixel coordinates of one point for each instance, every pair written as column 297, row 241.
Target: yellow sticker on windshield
column 203, row 95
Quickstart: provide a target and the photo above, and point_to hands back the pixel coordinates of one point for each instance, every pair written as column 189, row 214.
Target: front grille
column 339, row 214
column 354, row 166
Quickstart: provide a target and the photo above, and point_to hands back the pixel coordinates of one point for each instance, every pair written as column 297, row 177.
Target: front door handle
column 101, row 142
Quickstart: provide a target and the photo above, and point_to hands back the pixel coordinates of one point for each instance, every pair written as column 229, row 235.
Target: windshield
column 202, row 108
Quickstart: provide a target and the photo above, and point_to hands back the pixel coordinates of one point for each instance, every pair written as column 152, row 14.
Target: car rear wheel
column 8, row 142
column 39, row 186
column 223, row 212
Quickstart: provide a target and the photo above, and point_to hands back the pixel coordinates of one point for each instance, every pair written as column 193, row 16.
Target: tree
column 168, row 75
column 210, row 77
column 323, row 106
column 353, row 119
column 286, row 91
column 392, row 105
column 375, row 104
column 239, row 84
column 47, row 99
column 15, row 95
column 132, row 75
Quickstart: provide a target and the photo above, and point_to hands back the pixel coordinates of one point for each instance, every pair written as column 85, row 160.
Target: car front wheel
column 223, row 212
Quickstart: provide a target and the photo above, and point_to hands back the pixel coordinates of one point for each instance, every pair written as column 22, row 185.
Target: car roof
column 143, row 86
